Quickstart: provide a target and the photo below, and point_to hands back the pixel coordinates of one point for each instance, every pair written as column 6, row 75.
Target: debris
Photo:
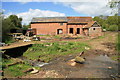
column 81, row 53
column 28, row 70
column 26, row 40
column 70, row 55
column 14, row 63
column 42, row 64
column 79, row 59
column 47, row 45
column 34, row 71
column 72, row 62
column 87, row 48
column 109, row 67
column 51, row 74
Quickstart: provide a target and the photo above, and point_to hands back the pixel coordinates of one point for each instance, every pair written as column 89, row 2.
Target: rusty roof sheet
column 49, row 19
column 63, row 19
column 79, row 19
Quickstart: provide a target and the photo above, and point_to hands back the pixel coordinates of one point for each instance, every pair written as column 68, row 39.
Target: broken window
column 71, row 30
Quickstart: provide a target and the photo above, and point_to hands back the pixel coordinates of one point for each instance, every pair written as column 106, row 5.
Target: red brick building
column 66, row 25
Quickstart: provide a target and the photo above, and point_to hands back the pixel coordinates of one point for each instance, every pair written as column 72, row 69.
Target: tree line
column 110, row 23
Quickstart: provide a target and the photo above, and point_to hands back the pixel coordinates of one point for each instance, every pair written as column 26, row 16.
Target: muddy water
column 96, row 66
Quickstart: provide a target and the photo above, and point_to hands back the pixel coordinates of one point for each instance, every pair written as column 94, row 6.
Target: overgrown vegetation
column 12, row 22
column 16, row 69
column 117, row 57
column 44, row 52
column 110, row 23
column 48, row 51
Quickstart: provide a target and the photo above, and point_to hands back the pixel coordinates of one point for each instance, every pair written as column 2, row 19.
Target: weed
column 48, row 51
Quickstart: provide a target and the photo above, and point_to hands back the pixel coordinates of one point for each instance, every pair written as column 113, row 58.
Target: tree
column 6, row 27
column 25, row 27
column 12, row 22
column 16, row 21
column 99, row 20
column 111, row 23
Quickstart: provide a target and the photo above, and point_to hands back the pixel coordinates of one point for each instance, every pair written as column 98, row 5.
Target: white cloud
column 90, row 8
column 27, row 16
column 54, row 0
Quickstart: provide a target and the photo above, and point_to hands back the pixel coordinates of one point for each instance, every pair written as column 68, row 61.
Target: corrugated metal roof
column 49, row 19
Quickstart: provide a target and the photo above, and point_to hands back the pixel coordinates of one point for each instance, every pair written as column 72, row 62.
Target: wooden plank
column 14, row 45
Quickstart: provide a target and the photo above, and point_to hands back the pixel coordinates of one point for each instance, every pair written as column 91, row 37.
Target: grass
column 43, row 51
column 57, row 36
column 116, row 57
column 15, row 70
column 48, row 51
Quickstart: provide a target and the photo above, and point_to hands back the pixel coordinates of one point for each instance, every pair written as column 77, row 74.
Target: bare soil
column 98, row 63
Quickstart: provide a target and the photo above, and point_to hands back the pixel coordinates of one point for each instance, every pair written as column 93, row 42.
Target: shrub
column 113, row 28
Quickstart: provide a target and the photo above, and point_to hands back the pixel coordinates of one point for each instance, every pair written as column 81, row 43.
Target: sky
column 27, row 9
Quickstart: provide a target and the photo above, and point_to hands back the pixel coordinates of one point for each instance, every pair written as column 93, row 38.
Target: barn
column 66, row 25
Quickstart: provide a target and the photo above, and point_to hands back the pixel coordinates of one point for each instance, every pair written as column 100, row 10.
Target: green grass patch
column 48, row 51
column 57, row 36
column 115, row 58
column 101, row 37
column 16, row 70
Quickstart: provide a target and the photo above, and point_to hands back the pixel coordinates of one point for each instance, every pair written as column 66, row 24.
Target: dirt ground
column 98, row 63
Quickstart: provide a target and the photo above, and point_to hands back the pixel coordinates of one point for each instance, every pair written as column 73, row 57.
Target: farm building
column 66, row 25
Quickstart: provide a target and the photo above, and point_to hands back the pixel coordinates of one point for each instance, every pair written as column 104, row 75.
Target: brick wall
column 75, row 28
column 95, row 31
column 49, row 28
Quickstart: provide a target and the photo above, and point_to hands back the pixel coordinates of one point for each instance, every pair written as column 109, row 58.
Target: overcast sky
column 27, row 9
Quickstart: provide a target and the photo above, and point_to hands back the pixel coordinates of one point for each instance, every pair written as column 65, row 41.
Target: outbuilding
column 66, row 25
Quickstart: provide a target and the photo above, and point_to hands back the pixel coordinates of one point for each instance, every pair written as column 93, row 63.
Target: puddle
column 95, row 66
column 40, row 64
column 104, row 58
column 34, row 63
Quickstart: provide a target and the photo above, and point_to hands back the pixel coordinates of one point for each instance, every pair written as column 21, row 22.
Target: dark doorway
column 59, row 31
column 78, row 30
column 71, row 30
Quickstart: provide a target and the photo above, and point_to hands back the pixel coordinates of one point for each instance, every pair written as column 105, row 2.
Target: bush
column 113, row 28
